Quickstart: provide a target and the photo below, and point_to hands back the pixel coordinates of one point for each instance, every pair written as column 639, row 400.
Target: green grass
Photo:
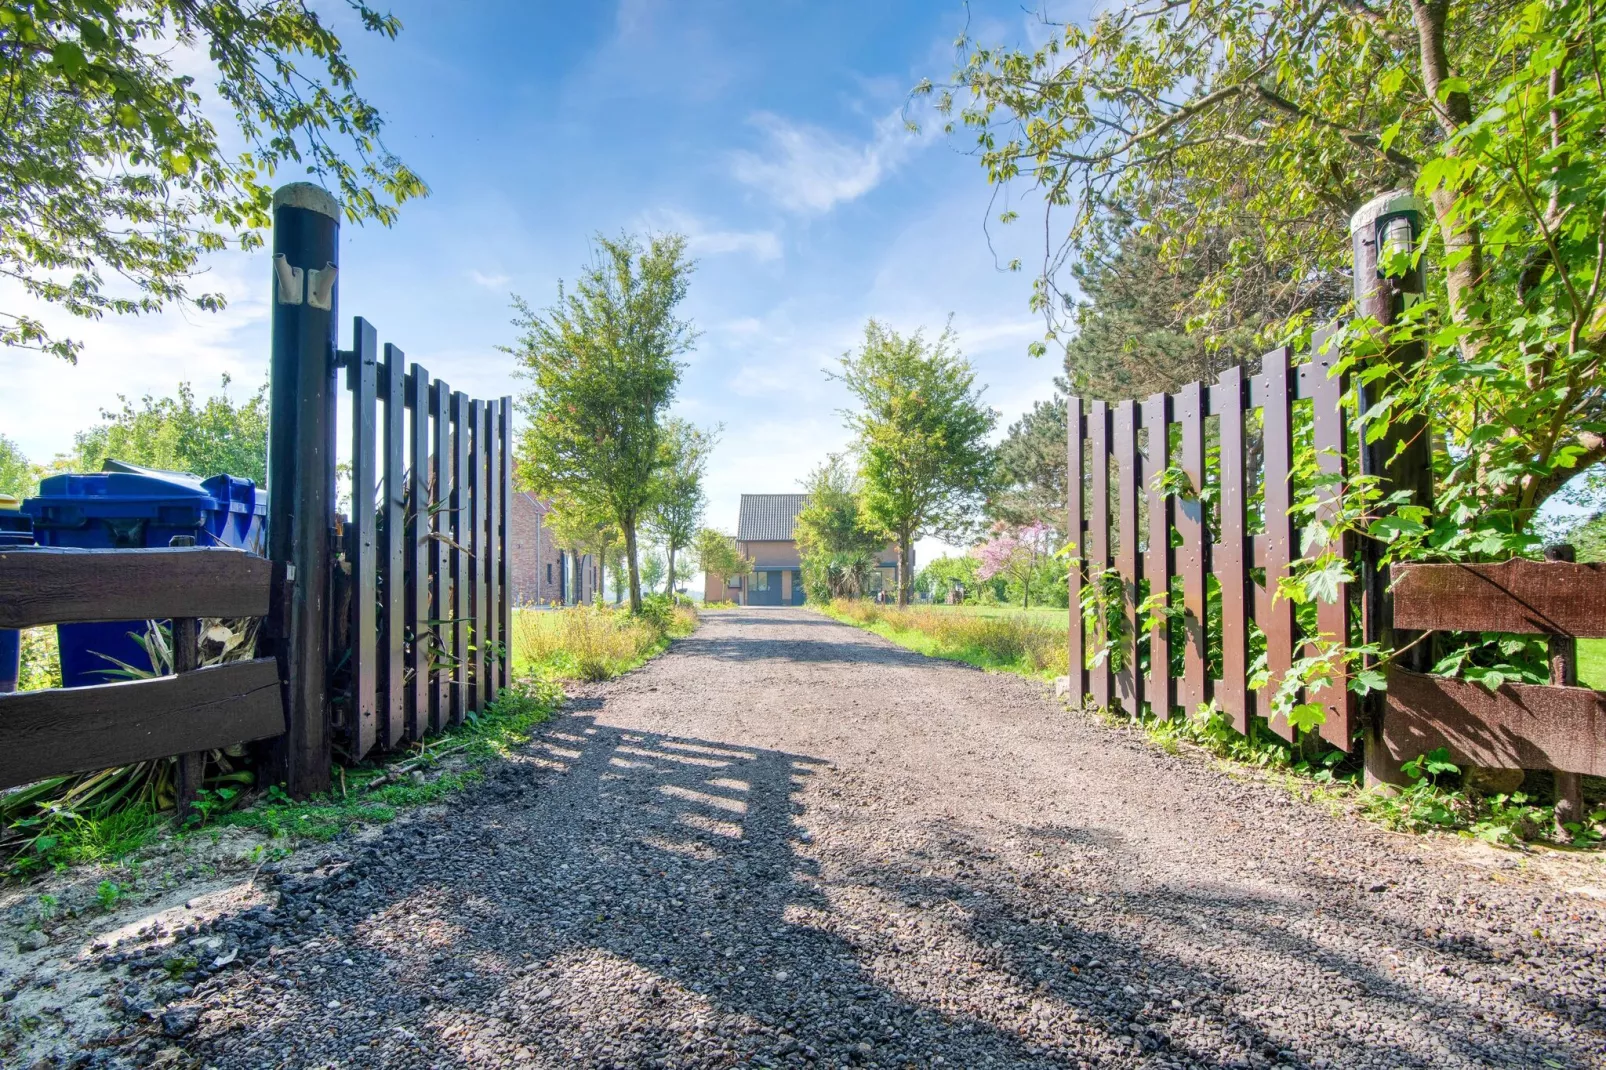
column 1057, row 615
column 999, row 638
column 590, row 643
column 1592, row 663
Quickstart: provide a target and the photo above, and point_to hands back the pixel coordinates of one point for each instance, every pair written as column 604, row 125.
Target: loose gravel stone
column 788, row 843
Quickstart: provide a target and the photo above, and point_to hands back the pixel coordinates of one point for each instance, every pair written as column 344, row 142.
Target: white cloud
column 761, row 245
column 809, row 170
column 490, row 282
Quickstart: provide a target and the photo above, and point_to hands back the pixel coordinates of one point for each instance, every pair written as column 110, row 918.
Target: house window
column 736, row 582
column 761, row 581
column 549, row 572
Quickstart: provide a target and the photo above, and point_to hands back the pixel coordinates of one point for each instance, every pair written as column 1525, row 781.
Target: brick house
column 765, row 535
column 539, row 571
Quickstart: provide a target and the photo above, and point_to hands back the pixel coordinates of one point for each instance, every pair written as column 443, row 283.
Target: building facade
column 766, row 536
column 539, row 571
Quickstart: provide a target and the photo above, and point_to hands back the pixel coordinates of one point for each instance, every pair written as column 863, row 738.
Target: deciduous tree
column 602, row 372
column 921, row 438
column 835, row 538
column 679, row 500
column 113, row 162
column 182, row 435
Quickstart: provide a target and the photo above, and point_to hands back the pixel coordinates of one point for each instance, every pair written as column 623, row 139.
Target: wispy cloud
column 810, row 170
column 490, row 282
column 759, row 244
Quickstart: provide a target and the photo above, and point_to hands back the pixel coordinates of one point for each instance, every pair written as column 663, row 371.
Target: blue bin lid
column 126, row 490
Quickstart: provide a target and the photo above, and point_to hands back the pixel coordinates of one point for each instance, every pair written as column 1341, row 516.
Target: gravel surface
column 786, row 842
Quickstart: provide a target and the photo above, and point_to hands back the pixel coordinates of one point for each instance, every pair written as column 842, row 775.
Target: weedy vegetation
column 596, row 643
column 1030, row 644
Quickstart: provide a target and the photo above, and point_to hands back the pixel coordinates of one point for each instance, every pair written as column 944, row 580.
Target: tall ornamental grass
column 593, row 643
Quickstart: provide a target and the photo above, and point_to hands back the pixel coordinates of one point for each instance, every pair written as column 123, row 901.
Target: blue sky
column 770, row 134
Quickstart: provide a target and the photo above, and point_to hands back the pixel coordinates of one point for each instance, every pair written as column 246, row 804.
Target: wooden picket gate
column 1114, row 517
column 426, row 549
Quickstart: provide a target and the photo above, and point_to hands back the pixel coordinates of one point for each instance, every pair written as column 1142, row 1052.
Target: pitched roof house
column 765, row 534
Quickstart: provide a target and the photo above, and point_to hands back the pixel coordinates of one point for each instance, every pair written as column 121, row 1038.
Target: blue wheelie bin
column 15, row 530
column 127, row 507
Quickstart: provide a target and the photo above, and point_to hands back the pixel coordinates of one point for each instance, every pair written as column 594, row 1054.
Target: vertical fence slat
column 1098, row 539
column 477, row 608
column 1159, row 561
column 1074, row 476
column 416, row 618
column 1332, row 618
column 1128, row 680
column 497, row 636
column 392, row 720
column 440, row 569
column 362, row 376
column 461, row 433
column 1232, row 556
column 1277, row 619
column 504, row 601
column 1193, row 563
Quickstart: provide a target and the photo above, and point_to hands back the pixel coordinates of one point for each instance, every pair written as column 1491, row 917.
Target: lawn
column 1592, row 663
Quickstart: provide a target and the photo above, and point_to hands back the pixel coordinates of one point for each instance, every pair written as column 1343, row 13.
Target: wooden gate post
column 301, row 471
column 1403, row 457
column 1564, row 673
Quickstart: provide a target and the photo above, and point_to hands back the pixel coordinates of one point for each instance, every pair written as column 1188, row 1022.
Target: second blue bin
column 132, row 508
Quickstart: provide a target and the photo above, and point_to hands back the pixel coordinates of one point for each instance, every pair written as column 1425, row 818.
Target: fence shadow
column 638, row 899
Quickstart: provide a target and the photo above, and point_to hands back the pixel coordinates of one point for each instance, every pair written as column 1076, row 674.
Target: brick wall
column 535, row 564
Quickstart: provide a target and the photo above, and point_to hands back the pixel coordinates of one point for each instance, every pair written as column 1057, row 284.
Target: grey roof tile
column 768, row 517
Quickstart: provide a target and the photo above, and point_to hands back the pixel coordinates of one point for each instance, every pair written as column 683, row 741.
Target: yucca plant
column 87, row 815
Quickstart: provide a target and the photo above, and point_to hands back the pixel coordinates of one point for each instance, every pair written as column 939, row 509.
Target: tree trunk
column 670, row 586
column 629, row 525
column 1461, row 243
column 904, row 565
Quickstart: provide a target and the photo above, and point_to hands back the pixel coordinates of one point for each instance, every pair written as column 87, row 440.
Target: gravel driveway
column 788, row 843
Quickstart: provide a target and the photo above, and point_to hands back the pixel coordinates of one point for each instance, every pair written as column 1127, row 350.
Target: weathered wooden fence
column 72, row 730
column 1234, row 443
column 401, row 623
column 424, row 558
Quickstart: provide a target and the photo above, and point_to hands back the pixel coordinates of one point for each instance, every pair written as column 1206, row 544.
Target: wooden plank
column 1276, row 616
column 1128, row 681
column 392, row 557
column 46, row 585
column 361, row 539
column 1193, row 562
column 1229, row 558
column 503, row 599
column 492, row 558
column 415, row 620
column 1332, row 618
column 1101, row 680
column 1521, row 596
column 1075, row 474
column 1517, row 726
column 440, row 567
column 80, row 729
column 462, row 579
column 1159, row 562
column 478, row 610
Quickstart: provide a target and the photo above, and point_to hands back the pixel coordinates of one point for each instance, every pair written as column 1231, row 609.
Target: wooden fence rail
column 1152, row 537
column 72, row 730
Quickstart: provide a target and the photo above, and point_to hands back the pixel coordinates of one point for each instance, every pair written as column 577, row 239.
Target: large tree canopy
column 679, row 499
column 215, row 437
column 112, row 165
column 1275, row 123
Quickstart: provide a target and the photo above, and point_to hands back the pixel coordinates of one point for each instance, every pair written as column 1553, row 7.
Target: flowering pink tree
column 1016, row 554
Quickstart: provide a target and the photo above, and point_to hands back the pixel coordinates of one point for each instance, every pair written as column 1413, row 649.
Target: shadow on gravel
column 628, row 899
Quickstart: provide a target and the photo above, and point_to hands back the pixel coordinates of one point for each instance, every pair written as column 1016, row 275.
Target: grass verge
column 594, row 643
column 1026, row 643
